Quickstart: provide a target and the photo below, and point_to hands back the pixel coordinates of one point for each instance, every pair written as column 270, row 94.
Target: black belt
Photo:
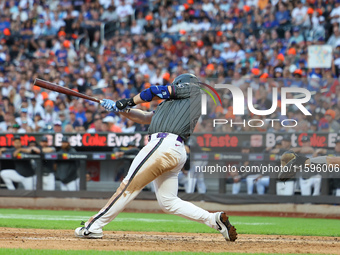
column 163, row 135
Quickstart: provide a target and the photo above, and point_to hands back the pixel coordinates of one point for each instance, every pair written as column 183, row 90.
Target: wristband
column 130, row 102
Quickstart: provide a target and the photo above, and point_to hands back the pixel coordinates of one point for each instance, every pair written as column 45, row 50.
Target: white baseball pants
column 49, row 182
column 261, row 183
column 10, row 175
column 337, row 192
column 71, row 186
column 285, row 188
column 307, row 184
column 160, row 160
column 196, row 178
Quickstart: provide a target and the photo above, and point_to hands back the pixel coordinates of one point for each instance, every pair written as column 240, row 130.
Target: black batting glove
column 125, row 102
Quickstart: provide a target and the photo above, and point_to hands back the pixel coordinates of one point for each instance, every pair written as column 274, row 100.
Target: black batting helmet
column 185, row 78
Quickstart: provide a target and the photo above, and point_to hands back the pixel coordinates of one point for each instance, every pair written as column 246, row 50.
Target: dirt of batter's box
column 157, row 241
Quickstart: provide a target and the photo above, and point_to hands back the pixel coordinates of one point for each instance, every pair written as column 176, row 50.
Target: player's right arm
column 138, row 116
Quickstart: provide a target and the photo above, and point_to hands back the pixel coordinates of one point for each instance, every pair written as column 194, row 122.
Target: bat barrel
column 63, row 90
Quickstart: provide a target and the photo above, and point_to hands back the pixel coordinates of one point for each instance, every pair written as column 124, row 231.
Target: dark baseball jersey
column 47, row 165
column 23, row 167
column 179, row 114
column 67, row 169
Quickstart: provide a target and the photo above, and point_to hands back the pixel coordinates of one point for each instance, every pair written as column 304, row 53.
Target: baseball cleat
column 82, row 232
column 226, row 229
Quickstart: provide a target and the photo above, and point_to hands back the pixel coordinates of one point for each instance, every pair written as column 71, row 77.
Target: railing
column 79, row 41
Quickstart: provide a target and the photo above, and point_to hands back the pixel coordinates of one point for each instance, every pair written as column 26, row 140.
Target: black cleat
column 224, row 226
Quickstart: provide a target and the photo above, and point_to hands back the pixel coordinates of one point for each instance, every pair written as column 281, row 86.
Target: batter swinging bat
column 60, row 89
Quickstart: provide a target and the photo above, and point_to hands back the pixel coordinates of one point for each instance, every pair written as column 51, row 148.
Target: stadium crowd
column 256, row 43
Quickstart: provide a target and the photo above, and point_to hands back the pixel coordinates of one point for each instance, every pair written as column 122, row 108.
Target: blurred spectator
column 23, row 119
column 300, row 15
column 335, row 13
column 57, row 127
column 8, row 122
column 130, row 127
column 124, row 10
column 330, row 117
column 73, row 120
column 109, row 125
column 109, row 14
column 96, row 126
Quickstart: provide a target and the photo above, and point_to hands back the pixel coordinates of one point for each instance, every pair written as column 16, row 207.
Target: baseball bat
column 63, row 90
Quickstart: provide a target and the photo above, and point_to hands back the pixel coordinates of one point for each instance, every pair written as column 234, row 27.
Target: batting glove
column 125, row 102
column 109, row 105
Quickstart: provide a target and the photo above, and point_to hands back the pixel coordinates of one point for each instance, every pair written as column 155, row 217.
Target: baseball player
column 47, row 165
column 67, row 170
column 162, row 158
column 194, row 179
column 293, row 163
column 333, row 182
column 48, row 179
column 308, row 180
column 284, row 188
column 23, row 171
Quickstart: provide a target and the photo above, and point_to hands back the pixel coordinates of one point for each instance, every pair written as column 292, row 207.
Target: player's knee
column 166, row 203
column 3, row 174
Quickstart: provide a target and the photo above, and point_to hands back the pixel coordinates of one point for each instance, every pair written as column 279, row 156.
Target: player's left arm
column 159, row 92
column 334, row 161
column 303, row 150
column 147, row 95
column 30, row 150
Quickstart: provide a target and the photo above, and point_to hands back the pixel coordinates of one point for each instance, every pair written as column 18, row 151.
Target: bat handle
column 97, row 100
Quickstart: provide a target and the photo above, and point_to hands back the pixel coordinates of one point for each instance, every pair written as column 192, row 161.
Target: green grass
column 45, row 219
